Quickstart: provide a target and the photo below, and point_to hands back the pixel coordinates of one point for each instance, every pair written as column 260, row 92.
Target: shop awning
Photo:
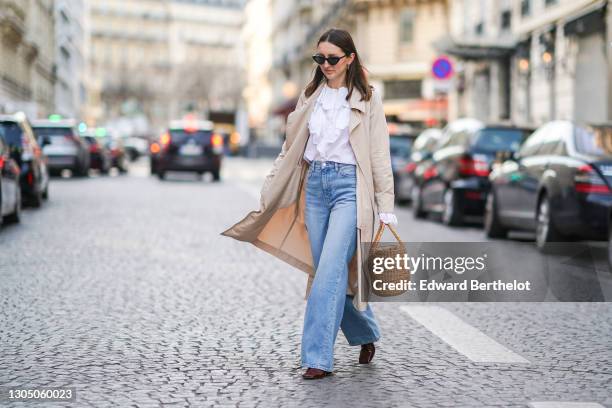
column 587, row 21
column 475, row 50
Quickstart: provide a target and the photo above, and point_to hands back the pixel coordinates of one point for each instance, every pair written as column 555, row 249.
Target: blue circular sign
column 442, row 68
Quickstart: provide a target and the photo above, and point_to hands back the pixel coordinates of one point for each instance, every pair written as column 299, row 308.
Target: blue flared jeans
column 331, row 221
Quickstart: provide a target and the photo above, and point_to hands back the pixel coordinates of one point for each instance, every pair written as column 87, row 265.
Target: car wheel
column 37, row 198
column 161, row 175
column 417, row 203
column 15, row 216
column 216, row 175
column 451, row 215
column 492, row 223
column 546, row 231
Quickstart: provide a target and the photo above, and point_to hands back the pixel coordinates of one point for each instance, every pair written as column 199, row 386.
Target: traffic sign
column 442, row 68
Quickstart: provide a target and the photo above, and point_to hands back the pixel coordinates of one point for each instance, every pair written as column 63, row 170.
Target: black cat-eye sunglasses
column 320, row 59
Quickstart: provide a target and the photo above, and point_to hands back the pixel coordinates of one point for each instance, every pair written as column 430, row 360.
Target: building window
column 407, row 17
column 506, row 20
column 525, row 7
column 550, row 2
column 402, row 89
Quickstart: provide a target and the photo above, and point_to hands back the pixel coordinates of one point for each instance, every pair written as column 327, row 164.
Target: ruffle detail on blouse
column 330, row 118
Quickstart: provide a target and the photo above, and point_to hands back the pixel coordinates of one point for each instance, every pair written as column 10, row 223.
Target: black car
column 190, row 146
column 421, row 149
column 99, row 154
column 62, row 146
column 27, row 153
column 10, row 188
column 456, row 181
column 558, row 184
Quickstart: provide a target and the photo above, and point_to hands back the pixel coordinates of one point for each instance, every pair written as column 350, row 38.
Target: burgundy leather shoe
column 315, row 373
column 367, row 353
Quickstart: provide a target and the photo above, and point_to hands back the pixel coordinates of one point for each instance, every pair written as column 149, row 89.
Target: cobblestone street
column 123, row 288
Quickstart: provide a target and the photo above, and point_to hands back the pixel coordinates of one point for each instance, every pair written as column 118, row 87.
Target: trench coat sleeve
column 272, row 172
column 380, row 156
column 278, row 159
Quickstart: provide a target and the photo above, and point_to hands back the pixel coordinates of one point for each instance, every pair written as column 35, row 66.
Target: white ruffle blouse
column 329, row 128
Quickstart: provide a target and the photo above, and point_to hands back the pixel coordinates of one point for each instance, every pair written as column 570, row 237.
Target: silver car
column 63, row 146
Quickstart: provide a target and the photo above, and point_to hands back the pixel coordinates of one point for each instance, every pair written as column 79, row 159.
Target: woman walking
column 317, row 219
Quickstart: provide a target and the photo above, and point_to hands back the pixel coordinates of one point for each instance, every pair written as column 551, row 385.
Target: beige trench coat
column 279, row 226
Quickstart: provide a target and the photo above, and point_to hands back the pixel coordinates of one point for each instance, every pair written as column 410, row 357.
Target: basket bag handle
column 379, row 233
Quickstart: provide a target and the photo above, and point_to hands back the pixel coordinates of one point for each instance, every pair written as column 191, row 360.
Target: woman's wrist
column 388, row 218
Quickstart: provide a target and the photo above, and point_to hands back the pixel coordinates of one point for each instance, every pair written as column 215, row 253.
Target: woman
column 316, row 220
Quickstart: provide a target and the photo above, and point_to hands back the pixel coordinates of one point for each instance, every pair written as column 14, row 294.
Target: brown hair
column 355, row 75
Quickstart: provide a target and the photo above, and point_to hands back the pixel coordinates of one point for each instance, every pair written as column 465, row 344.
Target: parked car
column 456, row 181
column 10, row 187
column 27, row 153
column 190, row 145
column 421, row 149
column 100, row 157
column 558, row 184
column 401, row 138
column 62, row 146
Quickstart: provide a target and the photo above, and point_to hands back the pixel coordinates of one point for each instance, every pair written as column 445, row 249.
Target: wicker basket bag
column 393, row 275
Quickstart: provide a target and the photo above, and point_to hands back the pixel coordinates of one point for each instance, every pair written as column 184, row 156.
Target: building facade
column 393, row 38
column 71, row 36
column 530, row 61
column 27, row 51
column 161, row 59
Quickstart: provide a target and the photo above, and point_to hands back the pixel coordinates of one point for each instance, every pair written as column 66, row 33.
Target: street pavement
column 122, row 288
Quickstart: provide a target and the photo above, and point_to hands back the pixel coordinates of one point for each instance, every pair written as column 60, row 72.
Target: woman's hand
column 388, row 218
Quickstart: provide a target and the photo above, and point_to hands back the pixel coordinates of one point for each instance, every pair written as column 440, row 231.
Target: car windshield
column 400, row 146
column 180, row 136
column 12, row 133
column 594, row 141
column 499, row 139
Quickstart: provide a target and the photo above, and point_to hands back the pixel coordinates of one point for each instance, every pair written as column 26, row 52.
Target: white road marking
column 564, row 404
column 464, row 338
